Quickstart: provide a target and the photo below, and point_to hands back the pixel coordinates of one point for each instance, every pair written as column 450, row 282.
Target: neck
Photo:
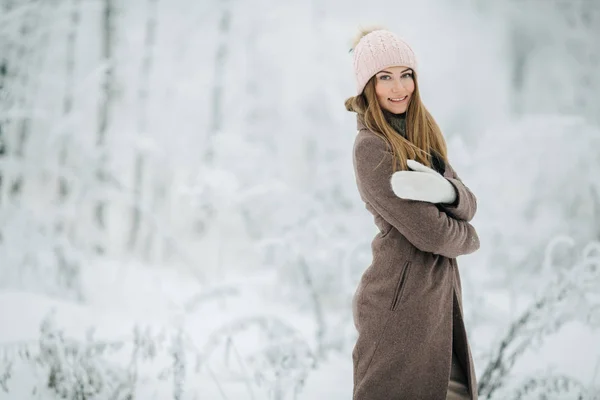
column 389, row 113
column 397, row 121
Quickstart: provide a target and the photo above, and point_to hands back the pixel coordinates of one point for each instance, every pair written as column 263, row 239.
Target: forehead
column 394, row 69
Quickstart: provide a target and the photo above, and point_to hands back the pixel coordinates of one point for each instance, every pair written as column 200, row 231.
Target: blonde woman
column 412, row 342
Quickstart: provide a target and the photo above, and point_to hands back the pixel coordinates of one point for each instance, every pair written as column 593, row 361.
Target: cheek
column 379, row 89
column 381, row 93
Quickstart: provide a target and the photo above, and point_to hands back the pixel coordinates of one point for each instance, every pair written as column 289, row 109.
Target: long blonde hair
column 423, row 135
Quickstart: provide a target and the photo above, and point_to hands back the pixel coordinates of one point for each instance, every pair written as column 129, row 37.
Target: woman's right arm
column 423, row 224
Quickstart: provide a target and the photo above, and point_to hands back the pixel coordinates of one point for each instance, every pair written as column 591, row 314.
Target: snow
column 236, row 281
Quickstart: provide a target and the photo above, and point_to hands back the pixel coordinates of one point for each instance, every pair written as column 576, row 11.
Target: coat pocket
column 400, row 286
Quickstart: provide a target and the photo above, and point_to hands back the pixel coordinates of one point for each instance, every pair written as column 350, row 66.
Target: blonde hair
column 423, row 135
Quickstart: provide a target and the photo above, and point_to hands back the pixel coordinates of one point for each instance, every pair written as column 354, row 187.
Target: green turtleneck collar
column 397, row 121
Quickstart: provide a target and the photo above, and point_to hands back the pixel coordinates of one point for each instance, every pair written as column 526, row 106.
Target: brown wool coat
column 408, row 305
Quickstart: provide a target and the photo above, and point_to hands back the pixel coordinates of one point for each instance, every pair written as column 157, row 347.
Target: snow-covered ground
column 224, row 325
column 229, row 326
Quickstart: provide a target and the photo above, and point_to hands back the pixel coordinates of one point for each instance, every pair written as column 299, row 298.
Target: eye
column 407, row 75
column 383, row 77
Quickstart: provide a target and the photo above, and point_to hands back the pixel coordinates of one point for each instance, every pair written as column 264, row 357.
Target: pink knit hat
column 378, row 50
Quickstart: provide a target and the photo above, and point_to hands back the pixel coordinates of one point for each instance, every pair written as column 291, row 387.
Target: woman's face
column 394, row 87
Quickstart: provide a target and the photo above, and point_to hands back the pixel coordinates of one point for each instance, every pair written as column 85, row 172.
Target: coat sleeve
column 423, row 224
column 465, row 206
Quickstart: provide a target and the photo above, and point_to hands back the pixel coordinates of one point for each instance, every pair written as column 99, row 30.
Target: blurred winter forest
column 178, row 212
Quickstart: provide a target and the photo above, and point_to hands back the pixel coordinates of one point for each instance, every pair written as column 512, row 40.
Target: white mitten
column 423, row 184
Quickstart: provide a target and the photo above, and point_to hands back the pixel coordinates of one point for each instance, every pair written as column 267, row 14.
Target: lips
column 398, row 99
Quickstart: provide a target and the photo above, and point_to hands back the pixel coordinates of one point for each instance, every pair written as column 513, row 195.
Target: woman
column 412, row 342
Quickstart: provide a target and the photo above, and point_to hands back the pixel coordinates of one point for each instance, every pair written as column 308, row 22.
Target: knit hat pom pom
column 362, row 32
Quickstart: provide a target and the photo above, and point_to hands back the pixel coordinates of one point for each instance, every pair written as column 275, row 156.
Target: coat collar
column 361, row 126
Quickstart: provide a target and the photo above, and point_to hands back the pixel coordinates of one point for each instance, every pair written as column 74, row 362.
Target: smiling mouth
column 398, row 99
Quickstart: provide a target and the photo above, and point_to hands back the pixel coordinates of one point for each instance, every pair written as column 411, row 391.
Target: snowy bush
column 276, row 363
column 571, row 294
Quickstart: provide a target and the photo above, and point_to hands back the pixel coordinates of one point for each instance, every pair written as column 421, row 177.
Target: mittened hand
column 422, row 184
column 417, row 166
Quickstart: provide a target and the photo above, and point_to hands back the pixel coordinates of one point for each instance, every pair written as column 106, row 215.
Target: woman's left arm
column 465, row 205
column 423, row 183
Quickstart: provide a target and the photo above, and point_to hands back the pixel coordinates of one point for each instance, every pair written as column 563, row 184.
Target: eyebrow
column 387, row 72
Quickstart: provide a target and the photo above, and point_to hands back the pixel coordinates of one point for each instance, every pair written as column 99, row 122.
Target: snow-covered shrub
column 262, row 353
column 570, row 294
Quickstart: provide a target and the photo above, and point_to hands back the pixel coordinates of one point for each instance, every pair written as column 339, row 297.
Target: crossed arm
column 426, row 226
column 425, row 184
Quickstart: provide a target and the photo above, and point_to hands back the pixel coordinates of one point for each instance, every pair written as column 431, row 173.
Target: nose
column 398, row 86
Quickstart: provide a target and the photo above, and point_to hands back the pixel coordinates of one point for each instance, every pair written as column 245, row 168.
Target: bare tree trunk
column 63, row 186
column 252, row 88
column 590, row 81
column 3, row 66
column 521, row 46
column 595, row 194
column 107, row 97
column 318, row 105
column 21, row 81
column 7, row 77
column 19, row 75
column 216, row 121
column 68, row 269
column 157, row 195
column 146, row 68
column 3, row 105
column 207, row 208
column 21, row 125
